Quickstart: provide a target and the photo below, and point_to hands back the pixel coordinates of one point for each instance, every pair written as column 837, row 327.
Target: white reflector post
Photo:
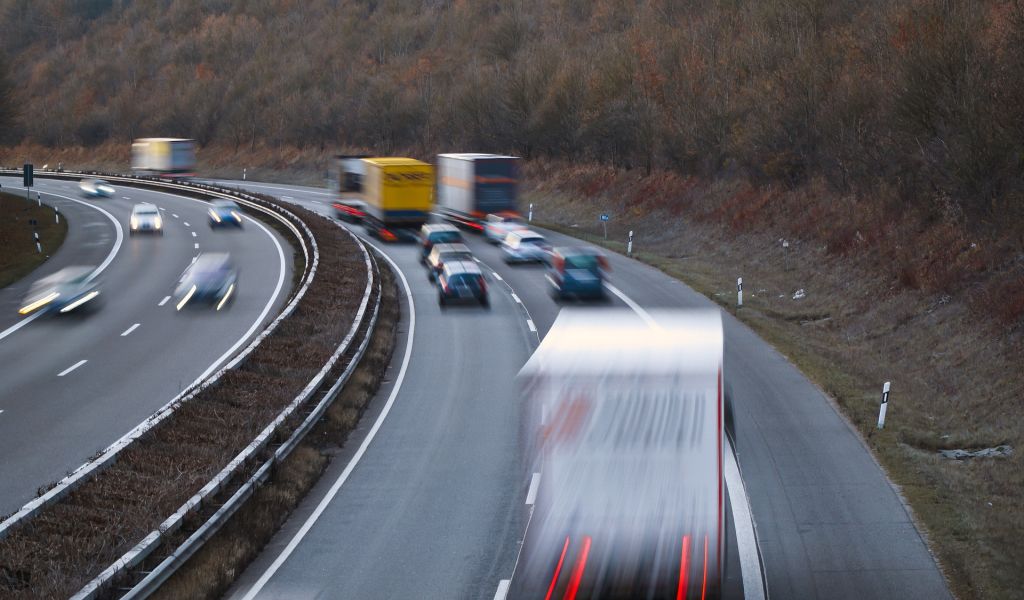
column 739, row 291
column 885, row 405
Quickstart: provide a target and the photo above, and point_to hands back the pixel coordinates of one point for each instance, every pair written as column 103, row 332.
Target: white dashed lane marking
column 71, row 368
column 164, row 301
column 130, row 329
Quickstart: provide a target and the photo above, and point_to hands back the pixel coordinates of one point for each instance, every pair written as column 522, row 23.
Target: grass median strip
column 71, row 541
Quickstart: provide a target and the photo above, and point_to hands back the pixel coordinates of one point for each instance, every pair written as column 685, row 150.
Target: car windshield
column 582, row 261
column 441, row 237
column 225, row 205
column 455, row 255
column 470, row 280
column 146, row 211
column 533, row 241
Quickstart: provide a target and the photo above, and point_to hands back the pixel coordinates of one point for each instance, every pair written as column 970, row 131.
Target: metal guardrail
column 167, row 567
column 109, row 455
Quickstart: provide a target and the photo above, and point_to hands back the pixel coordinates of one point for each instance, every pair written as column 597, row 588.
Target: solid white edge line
column 72, row 368
column 336, row 486
column 502, row 590
column 130, row 329
column 164, row 301
column 103, row 265
column 531, row 494
column 743, row 519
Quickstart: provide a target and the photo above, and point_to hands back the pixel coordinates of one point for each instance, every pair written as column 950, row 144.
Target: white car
column 96, row 188
column 525, row 246
column 497, row 226
column 146, row 219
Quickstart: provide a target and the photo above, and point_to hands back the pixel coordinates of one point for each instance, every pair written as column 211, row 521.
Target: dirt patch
column 18, row 253
column 71, row 541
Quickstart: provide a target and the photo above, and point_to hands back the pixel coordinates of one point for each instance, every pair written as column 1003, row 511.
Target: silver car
column 525, row 246
column 146, row 219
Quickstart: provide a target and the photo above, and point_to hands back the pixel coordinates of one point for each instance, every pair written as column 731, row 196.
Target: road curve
column 829, row 523
column 71, row 386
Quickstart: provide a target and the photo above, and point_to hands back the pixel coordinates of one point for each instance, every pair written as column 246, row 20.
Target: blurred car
column 96, row 188
column 522, row 246
column 445, row 253
column 443, row 233
column 497, row 226
column 66, row 290
column 225, row 213
column 577, row 273
column 210, row 280
column 461, row 282
column 351, row 211
column 146, row 219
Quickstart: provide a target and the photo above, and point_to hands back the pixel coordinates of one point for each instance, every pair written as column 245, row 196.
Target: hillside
column 884, row 139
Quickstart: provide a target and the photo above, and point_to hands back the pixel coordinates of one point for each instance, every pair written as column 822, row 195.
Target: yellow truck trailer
column 399, row 195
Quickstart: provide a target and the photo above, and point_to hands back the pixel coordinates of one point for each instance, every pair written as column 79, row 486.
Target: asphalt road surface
column 428, row 501
column 72, row 385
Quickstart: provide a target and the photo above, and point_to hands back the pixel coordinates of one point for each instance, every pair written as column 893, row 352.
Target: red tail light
column 558, row 570
column 387, row 235
column 483, row 284
column 577, row 571
column 684, row 569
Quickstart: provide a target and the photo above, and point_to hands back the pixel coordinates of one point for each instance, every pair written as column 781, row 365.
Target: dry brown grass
column 18, row 254
column 210, row 572
column 72, row 540
column 938, row 317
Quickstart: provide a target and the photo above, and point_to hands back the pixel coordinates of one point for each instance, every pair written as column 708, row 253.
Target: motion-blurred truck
column 398, row 194
column 472, row 186
column 167, row 157
column 345, row 178
column 624, row 419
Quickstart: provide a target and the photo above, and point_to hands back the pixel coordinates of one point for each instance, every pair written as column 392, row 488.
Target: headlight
column 39, row 303
column 237, row 216
column 158, row 223
column 214, row 215
column 135, row 222
column 188, row 296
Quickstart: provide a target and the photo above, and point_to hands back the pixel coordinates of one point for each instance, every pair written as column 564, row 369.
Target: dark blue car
column 577, row 273
column 225, row 213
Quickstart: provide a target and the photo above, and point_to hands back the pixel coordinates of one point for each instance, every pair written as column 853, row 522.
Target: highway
column 429, row 501
column 72, row 385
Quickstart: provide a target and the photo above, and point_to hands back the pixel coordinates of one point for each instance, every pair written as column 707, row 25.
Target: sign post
column 26, row 180
column 604, row 223
column 885, row 405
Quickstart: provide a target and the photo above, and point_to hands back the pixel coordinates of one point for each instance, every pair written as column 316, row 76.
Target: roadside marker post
column 56, row 215
column 885, row 405
column 629, row 244
column 529, row 215
column 739, row 292
column 244, row 170
column 785, row 254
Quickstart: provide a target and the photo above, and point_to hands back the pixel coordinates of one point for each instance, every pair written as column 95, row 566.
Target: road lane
column 829, row 522
column 311, row 571
column 52, row 425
